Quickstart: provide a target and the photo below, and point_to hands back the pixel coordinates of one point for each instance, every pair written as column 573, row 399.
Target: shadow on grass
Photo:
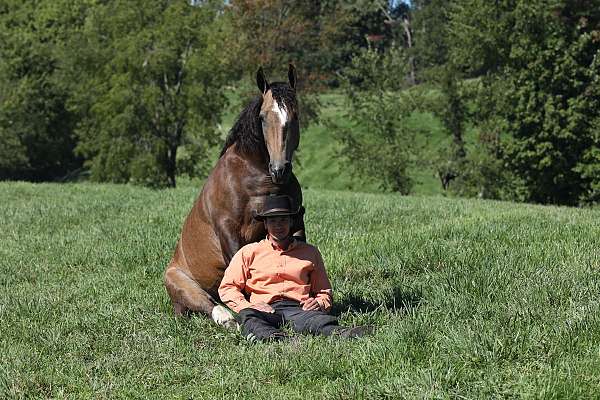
column 400, row 300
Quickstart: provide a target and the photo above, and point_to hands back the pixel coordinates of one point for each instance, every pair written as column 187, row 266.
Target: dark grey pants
column 263, row 326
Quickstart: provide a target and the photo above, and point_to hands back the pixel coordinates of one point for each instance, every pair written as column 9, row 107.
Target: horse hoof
column 178, row 309
column 222, row 316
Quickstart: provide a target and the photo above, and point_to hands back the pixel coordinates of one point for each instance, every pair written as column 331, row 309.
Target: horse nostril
column 279, row 170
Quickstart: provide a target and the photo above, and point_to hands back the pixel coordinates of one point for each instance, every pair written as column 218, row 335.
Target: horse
column 255, row 162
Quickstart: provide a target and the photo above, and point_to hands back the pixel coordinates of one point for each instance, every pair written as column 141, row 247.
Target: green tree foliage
column 36, row 140
column 430, row 27
column 450, row 108
column 379, row 145
column 481, row 34
column 346, row 27
column 542, row 61
column 149, row 88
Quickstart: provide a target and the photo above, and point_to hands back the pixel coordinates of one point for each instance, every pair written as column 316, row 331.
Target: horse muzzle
column 280, row 171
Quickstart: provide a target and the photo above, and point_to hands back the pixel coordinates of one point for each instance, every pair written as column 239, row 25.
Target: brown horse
column 256, row 161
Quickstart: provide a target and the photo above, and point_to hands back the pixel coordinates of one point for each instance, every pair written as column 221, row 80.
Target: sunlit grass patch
column 470, row 298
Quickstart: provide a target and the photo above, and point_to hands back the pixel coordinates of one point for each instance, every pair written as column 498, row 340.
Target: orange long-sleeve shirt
column 267, row 273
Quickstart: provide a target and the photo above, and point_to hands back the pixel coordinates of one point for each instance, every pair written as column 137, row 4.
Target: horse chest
column 254, row 232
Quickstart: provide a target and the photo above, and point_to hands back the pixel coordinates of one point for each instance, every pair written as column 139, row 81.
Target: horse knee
column 179, row 309
column 185, row 293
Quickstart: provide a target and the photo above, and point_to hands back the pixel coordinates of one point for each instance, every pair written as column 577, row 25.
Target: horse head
column 279, row 120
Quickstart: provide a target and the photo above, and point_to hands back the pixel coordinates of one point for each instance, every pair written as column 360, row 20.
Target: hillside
column 470, row 298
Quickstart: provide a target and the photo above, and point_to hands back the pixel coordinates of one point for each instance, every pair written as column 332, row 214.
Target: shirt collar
column 293, row 244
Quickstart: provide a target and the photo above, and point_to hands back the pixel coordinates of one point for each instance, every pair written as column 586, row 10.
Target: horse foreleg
column 186, row 295
column 229, row 238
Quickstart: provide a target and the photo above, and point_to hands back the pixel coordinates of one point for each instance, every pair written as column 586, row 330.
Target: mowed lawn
column 471, row 299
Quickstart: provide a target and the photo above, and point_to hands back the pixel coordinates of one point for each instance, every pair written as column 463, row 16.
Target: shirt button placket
column 282, row 281
column 281, row 270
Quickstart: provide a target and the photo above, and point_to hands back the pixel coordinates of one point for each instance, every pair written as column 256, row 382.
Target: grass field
column 472, row 299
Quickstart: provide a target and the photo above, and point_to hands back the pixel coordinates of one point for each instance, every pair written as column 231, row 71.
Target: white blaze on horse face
column 274, row 120
column 281, row 112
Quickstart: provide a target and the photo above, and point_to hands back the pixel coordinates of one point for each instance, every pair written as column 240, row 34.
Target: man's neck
column 282, row 244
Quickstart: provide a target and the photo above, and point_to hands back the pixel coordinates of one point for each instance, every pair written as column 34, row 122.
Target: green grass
column 472, row 299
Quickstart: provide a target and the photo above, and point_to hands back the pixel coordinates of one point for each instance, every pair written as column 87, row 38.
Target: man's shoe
column 273, row 337
column 355, row 332
column 278, row 337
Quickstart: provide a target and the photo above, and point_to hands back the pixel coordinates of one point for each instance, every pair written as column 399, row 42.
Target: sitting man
column 286, row 282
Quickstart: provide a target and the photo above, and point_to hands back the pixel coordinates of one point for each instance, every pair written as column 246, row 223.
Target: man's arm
column 320, row 287
column 233, row 284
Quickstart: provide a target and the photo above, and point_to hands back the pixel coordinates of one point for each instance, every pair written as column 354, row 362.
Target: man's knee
column 258, row 325
column 248, row 313
column 315, row 322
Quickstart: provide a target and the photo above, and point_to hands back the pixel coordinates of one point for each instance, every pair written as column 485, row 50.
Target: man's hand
column 310, row 304
column 264, row 307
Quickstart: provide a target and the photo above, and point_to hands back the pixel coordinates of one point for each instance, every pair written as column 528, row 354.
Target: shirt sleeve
column 320, row 287
column 233, row 284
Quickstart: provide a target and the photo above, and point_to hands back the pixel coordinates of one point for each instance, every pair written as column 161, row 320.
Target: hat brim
column 275, row 213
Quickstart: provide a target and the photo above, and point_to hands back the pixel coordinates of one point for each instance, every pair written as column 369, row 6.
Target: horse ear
column 261, row 81
column 292, row 76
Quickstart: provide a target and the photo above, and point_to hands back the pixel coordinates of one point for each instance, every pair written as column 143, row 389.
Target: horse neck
column 258, row 158
column 246, row 137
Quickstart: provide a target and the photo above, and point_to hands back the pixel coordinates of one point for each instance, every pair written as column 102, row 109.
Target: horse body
column 221, row 220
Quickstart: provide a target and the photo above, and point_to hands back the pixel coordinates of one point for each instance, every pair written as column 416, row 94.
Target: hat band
column 275, row 212
column 272, row 210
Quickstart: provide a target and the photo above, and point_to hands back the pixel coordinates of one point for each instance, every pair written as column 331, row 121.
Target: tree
column 480, row 34
column 430, row 27
column 379, row 145
column 450, row 108
column 395, row 17
column 148, row 79
column 36, row 128
column 541, row 61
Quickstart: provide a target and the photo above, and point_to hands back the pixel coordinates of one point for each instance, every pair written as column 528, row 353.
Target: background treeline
column 135, row 91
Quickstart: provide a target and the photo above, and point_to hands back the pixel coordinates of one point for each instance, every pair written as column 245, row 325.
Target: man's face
column 278, row 227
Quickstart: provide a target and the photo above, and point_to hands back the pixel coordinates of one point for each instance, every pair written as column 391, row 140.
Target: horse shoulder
column 224, row 181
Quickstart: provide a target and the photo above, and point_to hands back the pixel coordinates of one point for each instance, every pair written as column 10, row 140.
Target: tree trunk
column 460, row 145
column 411, row 59
column 171, row 165
column 446, row 178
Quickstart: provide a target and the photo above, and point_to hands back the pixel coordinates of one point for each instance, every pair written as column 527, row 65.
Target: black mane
column 247, row 130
